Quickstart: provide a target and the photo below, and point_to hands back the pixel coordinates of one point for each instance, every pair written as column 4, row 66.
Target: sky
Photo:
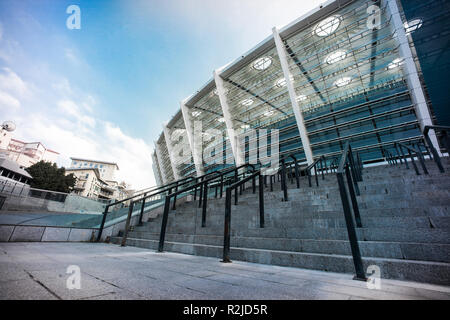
column 103, row 91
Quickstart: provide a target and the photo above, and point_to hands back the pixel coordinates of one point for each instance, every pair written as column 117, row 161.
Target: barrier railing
column 144, row 196
column 228, row 191
column 445, row 139
column 353, row 171
column 411, row 153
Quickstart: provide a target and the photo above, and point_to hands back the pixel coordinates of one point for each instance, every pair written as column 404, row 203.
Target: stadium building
column 368, row 72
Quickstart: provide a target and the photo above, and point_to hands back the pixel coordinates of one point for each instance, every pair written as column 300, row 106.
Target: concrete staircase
column 405, row 217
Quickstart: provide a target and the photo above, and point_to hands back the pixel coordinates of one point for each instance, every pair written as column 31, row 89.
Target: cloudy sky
column 103, row 92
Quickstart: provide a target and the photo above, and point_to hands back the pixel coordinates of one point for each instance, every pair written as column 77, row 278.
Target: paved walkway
column 38, row 271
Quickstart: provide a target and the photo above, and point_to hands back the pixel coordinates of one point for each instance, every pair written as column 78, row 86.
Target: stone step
column 422, row 271
column 422, row 235
column 394, row 250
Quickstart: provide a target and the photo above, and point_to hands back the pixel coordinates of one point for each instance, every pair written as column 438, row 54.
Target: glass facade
column 345, row 67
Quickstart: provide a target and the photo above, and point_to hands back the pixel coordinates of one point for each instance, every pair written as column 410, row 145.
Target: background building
column 25, row 154
column 96, row 179
column 362, row 71
column 90, row 184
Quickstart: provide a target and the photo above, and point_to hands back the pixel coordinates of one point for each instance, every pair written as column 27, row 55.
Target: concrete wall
column 45, row 234
column 73, row 203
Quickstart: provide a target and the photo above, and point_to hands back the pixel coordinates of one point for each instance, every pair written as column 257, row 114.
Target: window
column 335, row 57
column 262, row 63
column 342, row 81
column 412, row 25
column 396, row 63
column 268, row 113
column 327, row 26
column 301, row 97
column 282, row 81
column 196, row 113
column 247, row 102
column 101, row 166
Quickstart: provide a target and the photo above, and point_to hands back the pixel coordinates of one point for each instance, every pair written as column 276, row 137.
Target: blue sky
column 104, row 91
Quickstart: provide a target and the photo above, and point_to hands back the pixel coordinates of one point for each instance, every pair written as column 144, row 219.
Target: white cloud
column 11, row 82
column 64, row 121
column 71, row 109
column 8, row 101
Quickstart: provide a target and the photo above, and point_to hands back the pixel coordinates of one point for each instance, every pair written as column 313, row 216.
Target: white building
column 25, row 154
column 96, row 179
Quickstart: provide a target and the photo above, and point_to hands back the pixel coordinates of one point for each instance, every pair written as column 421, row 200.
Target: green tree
column 48, row 176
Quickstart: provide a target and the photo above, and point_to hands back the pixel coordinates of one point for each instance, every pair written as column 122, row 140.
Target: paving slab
column 36, row 270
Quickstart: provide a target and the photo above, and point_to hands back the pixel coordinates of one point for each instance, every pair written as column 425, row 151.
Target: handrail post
column 297, row 175
column 355, row 172
column 162, row 234
column 235, row 190
column 175, row 198
column 261, row 201
column 357, row 260
column 421, row 159
column 200, row 197
column 283, row 179
column 308, row 173
column 403, row 156
column 321, row 168
column 413, row 162
column 398, row 154
column 102, row 224
column 127, row 225
column 205, row 203
column 315, row 173
column 436, row 156
column 227, row 233
column 142, row 210
column 353, row 197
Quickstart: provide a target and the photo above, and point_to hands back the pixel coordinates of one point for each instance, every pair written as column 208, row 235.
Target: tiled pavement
column 38, row 271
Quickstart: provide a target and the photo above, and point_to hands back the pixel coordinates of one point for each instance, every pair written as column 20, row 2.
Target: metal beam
column 237, row 85
column 172, row 156
column 410, row 70
column 156, row 171
column 196, row 146
column 161, row 167
column 237, row 153
column 282, row 54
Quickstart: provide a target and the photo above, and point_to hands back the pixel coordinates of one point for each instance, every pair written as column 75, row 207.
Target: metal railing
column 307, row 171
column 227, row 223
column 202, row 185
column 158, row 191
column 410, row 152
column 352, row 169
column 445, row 140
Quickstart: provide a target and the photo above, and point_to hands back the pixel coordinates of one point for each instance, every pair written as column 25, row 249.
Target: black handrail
column 347, row 161
column 203, row 184
column 411, row 151
column 165, row 188
column 228, row 190
column 445, row 142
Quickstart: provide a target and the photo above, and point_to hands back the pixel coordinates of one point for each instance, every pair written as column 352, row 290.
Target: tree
column 48, row 176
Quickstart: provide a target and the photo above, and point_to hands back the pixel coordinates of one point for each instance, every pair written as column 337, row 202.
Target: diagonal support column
column 232, row 134
column 172, row 156
column 195, row 143
column 161, row 167
column 282, row 54
column 156, row 171
column 410, row 70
